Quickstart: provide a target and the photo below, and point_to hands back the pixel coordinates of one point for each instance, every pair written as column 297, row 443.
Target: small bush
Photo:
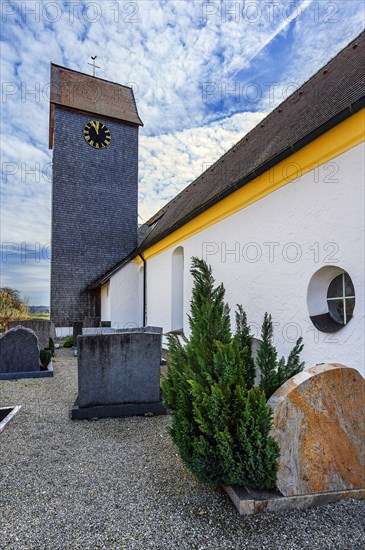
column 51, row 346
column 45, row 356
column 68, row 343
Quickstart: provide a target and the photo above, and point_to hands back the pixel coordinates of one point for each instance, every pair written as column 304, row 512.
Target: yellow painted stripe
column 339, row 139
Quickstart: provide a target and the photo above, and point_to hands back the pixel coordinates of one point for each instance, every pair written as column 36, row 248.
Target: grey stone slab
column 119, row 368
column 19, row 351
column 43, row 328
column 274, row 501
column 112, row 411
column 30, row 374
column 112, row 330
column 92, row 331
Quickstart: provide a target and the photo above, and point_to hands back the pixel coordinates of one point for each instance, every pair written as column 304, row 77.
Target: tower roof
column 88, row 94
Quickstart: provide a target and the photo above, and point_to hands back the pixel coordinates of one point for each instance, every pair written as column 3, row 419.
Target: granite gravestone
column 19, row 350
column 118, row 374
column 318, row 422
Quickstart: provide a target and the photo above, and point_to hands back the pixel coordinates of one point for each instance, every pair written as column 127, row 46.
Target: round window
column 341, row 299
column 331, row 299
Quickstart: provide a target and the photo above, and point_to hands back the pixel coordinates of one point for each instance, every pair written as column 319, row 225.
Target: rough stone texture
column 94, row 211
column 250, row 501
column 110, row 330
column 119, row 368
column 44, row 329
column 318, row 422
column 19, row 350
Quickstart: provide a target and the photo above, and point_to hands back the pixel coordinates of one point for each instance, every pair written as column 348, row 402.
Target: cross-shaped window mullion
column 343, row 298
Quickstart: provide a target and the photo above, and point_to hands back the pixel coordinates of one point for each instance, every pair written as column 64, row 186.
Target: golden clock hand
column 95, row 125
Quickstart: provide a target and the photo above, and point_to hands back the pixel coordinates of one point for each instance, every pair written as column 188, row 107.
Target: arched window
column 177, row 289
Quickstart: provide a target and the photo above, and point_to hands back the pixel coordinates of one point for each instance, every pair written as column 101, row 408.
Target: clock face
column 97, row 135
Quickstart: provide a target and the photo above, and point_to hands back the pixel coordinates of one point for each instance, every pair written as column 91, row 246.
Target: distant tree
column 12, row 307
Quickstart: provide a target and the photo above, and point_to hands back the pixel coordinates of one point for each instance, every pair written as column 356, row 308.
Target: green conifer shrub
column 220, row 423
column 273, row 372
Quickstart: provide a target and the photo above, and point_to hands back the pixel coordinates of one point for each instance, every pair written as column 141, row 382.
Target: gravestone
column 318, row 422
column 76, row 331
column 118, row 374
column 43, row 328
column 19, row 351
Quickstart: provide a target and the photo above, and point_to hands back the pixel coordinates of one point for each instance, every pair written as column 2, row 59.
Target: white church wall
column 124, row 297
column 267, row 253
column 159, row 291
column 105, row 302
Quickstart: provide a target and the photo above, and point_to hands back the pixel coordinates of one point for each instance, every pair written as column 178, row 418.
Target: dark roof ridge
column 91, row 76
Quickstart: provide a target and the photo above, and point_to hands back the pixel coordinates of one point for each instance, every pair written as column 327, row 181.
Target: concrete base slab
column 7, row 414
column 113, row 411
column 29, row 374
column 252, row 501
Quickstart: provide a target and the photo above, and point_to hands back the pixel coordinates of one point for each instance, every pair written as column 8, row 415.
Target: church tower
column 94, row 136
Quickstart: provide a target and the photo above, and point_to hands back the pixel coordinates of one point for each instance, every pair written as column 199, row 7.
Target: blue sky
column 204, row 74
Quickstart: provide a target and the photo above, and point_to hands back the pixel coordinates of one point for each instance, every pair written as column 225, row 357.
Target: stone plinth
column 318, row 422
column 19, row 351
column 118, row 374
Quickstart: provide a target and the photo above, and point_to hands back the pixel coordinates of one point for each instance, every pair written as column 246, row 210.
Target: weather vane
column 93, row 64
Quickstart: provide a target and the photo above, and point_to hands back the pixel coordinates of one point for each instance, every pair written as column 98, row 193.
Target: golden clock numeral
column 97, row 145
column 88, row 138
column 92, row 143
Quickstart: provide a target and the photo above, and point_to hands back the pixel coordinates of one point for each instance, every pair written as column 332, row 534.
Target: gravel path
column 119, row 484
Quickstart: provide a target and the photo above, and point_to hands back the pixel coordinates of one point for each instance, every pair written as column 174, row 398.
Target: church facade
column 280, row 218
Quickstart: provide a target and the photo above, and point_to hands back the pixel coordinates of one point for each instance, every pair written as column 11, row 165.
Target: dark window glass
column 341, row 299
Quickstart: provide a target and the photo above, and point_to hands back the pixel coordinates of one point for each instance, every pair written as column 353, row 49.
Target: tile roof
column 329, row 92
column 334, row 93
column 85, row 93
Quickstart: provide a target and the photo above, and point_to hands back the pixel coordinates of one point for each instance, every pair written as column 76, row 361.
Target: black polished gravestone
column 19, row 355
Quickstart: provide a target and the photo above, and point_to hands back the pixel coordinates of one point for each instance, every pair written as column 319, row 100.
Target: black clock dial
column 97, row 135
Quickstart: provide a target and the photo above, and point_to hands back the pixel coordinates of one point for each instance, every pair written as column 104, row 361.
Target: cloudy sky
column 204, row 73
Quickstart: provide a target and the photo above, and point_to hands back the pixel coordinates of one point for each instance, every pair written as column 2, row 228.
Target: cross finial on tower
column 93, row 64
